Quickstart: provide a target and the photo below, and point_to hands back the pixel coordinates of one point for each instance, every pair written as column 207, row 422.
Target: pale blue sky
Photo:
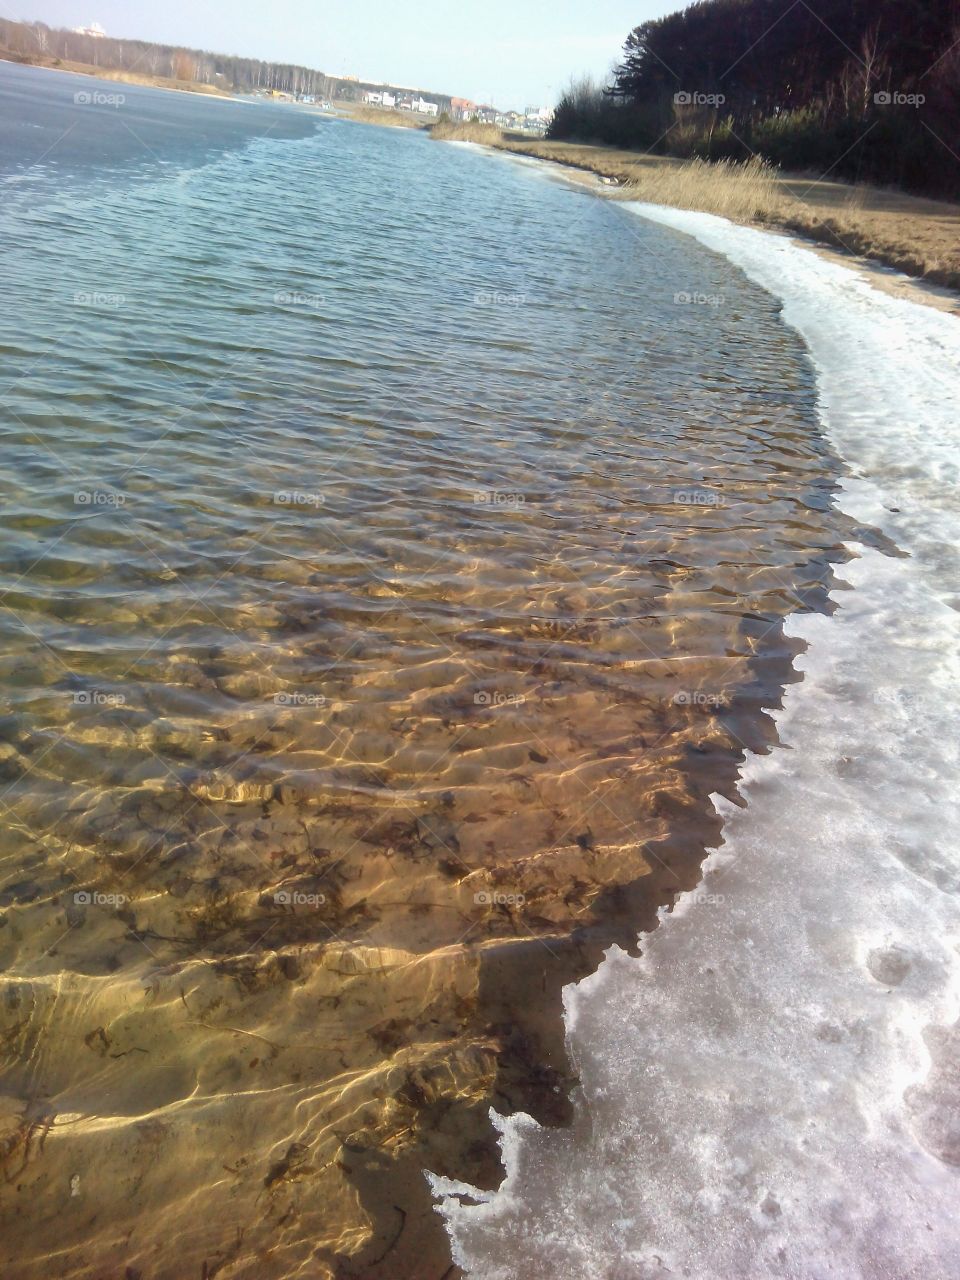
column 515, row 53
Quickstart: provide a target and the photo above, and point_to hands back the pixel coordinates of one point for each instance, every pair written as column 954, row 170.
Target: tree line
column 861, row 89
column 37, row 43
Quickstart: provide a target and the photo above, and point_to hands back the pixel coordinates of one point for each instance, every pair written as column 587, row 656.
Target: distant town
column 390, row 97
column 530, row 120
column 350, row 89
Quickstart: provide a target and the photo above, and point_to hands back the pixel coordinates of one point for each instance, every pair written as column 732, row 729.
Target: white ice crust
column 773, row 1087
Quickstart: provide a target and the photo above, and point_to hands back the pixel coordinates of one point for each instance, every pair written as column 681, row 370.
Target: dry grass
column 917, row 236
column 465, row 131
column 382, row 115
column 746, row 192
column 155, row 82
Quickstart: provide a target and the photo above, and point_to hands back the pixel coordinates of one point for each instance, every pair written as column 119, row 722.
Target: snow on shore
column 773, row 1088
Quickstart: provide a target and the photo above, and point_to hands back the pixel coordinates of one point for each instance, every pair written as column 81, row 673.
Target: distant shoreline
column 384, row 116
column 124, row 77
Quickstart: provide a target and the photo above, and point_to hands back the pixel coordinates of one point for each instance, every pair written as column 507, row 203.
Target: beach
column 772, row 1086
column 327, row 771
column 396, row 624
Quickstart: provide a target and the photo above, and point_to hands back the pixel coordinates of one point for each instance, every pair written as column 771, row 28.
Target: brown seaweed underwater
column 351, row 722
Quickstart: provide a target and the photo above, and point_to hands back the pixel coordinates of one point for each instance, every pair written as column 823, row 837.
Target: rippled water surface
column 392, row 563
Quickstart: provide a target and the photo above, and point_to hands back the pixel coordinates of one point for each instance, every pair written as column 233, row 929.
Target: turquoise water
column 394, row 545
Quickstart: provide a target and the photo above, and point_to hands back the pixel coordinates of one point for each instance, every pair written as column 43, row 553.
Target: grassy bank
column 382, row 115
column 120, row 77
column 917, row 236
column 466, row 131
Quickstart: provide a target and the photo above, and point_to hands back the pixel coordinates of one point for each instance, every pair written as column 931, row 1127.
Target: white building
column 380, row 98
column 94, row 30
column 425, row 108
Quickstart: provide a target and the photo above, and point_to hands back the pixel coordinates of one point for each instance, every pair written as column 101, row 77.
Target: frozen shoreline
column 772, row 1089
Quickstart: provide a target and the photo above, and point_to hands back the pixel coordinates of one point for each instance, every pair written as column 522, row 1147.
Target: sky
column 513, row 53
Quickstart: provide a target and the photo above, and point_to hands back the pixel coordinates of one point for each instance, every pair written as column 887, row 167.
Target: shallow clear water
column 773, row 1087
column 392, row 563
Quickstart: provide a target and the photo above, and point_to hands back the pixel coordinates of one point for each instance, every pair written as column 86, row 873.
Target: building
column 95, row 31
column 379, row 98
column 536, row 119
column 462, row 109
column 424, row 107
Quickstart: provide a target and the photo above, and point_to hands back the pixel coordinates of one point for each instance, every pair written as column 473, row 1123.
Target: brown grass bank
column 916, row 236
column 121, row 77
column 382, row 115
column 466, row 131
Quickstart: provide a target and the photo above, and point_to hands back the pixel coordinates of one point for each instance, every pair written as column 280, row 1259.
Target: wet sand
column 357, row 917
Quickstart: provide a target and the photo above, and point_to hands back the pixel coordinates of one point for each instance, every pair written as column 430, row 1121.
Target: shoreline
column 883, row 276
column 385, row 117
column 693, row 1046
column 915, row 219
column 889, row 237
column 482, row 815
column 924, row 228
column 324, row 1061
column 193, row 87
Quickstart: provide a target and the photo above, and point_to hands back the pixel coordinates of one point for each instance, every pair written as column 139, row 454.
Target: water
column 393, row 563
column 773, row 1087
